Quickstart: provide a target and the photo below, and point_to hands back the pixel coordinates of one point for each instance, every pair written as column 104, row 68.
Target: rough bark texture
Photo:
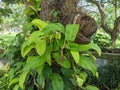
column 68, row 14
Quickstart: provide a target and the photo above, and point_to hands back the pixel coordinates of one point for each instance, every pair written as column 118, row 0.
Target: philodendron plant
column 53, row 61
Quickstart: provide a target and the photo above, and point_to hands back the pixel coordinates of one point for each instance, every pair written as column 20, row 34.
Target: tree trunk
column 67, row 13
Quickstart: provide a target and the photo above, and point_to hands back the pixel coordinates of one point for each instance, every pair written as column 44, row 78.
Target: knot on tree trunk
column 67, row 15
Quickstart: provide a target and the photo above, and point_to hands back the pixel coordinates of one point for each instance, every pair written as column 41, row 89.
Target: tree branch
column 103, row 16
column 116, row 29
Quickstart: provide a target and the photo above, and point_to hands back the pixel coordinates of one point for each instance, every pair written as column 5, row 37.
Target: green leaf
column 34, row 62
column 57, row 82
column 53, row 27
column 83, row 47
column 48, row 59
column 39, row 23
column 26, row 49
column 64, row 62
column 80, row 81
column 30, row 43
column 47, row 71
column 40, row 80
column 83, row 75
column 67, row 84
column 13, row 81
column 22, row 79
column 87, row 63
column 16, row 87
column 67, row 72
column 32, row 7
column 75, row 55
column 71, row 31
column 40, row 46
column 89, row 87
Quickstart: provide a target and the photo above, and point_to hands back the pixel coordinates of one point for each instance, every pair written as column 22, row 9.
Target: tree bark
column 69, row 14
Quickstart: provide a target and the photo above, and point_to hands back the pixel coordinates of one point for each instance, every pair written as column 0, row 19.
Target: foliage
column 102, row 39
column 108, row 76
column 51, row 60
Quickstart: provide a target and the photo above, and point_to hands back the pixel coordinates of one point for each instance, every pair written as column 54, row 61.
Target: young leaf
column 40, row 46
column 75, row 55
column 71, row 31
column 53, row 27
column 86, row 63
column 39, row 23
column 80, row 81
column 57, row 82
column 22, row 79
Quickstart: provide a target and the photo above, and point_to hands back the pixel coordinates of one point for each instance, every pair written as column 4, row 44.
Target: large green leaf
column 71, row 31
column 89, row 87
column 53, row 27
column 22, row 79
column 83, row 47
column 34, row 62
column 87, row 63
column 57, row 82
column 39, row 23
column 75, row 55
column 40, row 46
column 30, row 43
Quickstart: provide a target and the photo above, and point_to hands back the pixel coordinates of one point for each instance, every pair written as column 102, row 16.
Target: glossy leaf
column 22, row 79
column 53, row 27
column 75, row 55
column 87, row 63
column 71, row 31
column 57, row 82
column 40, row 46
column 39, row 23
